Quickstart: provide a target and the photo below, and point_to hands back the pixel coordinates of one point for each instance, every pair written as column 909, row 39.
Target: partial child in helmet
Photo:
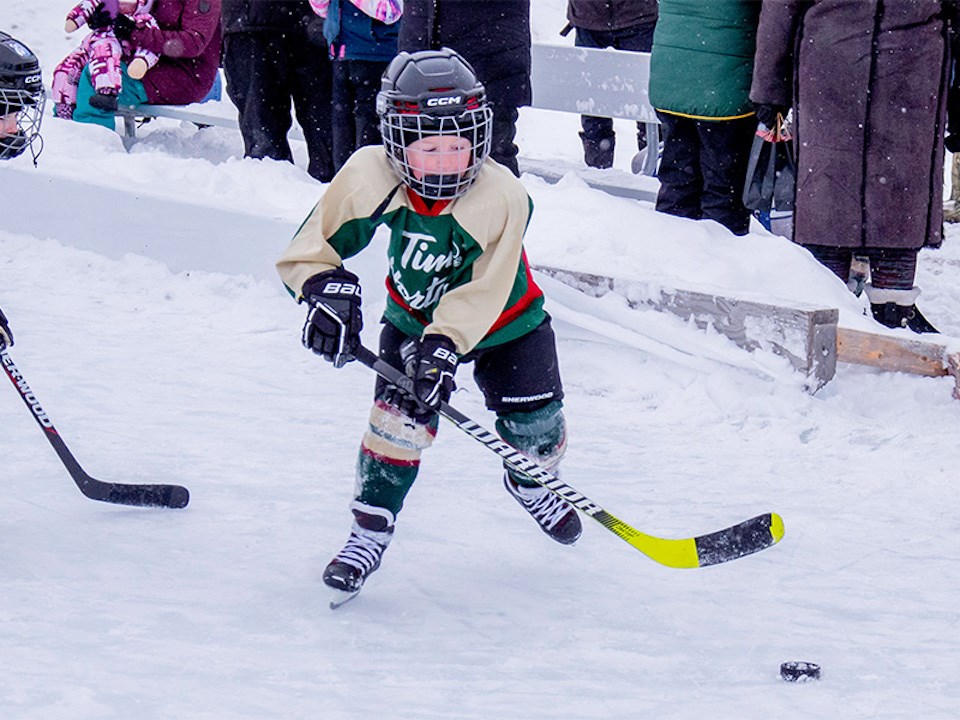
column 22, row 99
column 104, row 51
column 459, row 289
column 6, row 334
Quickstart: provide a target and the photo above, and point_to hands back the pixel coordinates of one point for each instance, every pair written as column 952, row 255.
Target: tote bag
column 772, row 171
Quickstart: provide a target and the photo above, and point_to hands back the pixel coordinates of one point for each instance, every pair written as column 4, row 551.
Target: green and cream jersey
column 456, row 268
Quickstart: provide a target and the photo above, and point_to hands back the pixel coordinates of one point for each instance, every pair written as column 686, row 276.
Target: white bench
column 604, row 83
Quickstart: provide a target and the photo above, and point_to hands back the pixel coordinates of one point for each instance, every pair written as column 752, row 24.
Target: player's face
column 439, row 155
column 8, row 125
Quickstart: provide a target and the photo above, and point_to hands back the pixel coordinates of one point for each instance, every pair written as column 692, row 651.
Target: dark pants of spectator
column 264, row 71
column 890, row 268
column 704, row 167
column 503, row 149
column 355, row 123
column 598, row 136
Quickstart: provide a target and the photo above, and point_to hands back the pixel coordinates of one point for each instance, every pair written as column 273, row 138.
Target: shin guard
column 540, row 434
column 390, row 456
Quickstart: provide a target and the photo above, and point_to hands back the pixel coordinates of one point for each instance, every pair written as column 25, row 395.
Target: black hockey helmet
column 21, row 92
column 433, row 93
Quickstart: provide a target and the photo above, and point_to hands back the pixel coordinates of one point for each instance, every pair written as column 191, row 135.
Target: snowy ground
column 171, row 372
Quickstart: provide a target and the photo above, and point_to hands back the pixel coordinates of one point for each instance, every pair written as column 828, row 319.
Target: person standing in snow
column 867, row 81
column 700, row 72
column 22, row 100
column 617, row 24
column 459, row 290
column 494, row 37
column 274, row 52
column 363, row 40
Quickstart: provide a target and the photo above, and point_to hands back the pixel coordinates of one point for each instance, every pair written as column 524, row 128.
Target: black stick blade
column 168, row 496
column 734, row 542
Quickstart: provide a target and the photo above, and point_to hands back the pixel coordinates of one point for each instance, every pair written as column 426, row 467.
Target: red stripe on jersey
column 520, row 306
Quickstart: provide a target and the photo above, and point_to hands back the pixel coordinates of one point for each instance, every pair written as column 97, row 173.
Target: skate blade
column 341, row 597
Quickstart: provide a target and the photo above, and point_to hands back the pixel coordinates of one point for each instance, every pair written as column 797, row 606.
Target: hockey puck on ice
column 796, row 671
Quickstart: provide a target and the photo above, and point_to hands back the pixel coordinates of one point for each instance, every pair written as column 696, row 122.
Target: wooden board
column 931, row 358
column 805, row 336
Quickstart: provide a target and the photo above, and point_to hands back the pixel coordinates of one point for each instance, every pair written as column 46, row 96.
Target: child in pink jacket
column 102, row 51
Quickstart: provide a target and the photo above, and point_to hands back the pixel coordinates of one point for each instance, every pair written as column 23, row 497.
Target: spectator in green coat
column 700, row 73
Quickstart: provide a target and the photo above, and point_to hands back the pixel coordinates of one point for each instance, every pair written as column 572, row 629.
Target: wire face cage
column 28, row 105
column 401, row 128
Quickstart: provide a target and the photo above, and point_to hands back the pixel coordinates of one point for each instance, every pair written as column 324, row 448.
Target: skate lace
column 547, row 509
column 362, row 552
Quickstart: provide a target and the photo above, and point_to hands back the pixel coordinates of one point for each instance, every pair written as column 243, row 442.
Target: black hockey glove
column 431, row 363
column 767, row 114
column 100, row 18
column 6, row 335
column 123, row 27
column 334, row 320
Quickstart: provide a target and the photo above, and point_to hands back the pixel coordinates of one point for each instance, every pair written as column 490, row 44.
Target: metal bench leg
column 653, row 150
column 129, row 136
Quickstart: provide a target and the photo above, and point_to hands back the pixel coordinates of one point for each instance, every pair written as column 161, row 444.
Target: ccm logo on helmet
column 441, row 101
column 31, row 79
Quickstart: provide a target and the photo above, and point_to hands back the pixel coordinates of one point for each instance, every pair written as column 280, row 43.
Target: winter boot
column 897, row 309
column 598, row 153
column 64, row 111
column 556, row 517
column 104, row 101
column 369, row 537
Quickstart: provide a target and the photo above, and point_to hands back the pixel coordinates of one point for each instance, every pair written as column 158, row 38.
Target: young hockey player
column 21, row 99
column 102, row 50
column 459, row 290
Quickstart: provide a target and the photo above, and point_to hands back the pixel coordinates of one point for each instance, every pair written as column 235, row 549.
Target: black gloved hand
column 431, row 364
column 334, row 320
column 123, row 27
column 313, row 27
column 767, row 114
column 100, row 18
column 6, row 335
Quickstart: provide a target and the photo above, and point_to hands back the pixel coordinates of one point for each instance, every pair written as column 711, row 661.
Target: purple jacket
column 188, row 43
column 868, row 82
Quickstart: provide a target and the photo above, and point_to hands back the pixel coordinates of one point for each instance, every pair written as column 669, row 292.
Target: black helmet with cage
column 21, row 93
column 433, row 93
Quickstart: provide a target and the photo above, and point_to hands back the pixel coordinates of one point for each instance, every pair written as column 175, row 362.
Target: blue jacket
column 363, row 38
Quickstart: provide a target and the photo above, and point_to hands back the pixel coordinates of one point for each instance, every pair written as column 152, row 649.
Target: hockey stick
column 171, row 496
column 745, row 538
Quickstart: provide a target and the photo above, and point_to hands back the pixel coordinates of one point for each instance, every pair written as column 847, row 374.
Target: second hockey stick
column 171, row 496
column 734, row 542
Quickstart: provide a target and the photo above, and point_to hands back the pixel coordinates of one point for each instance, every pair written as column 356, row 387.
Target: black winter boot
column 598, row 153
column 901, row 316
column 104, row 101
column 898, row 309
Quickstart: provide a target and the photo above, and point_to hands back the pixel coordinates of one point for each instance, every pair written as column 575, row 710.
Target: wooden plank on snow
column 928, row 357
column 805, row 335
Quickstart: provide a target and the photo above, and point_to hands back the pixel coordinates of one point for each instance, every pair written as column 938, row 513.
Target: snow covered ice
column 160, row 342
